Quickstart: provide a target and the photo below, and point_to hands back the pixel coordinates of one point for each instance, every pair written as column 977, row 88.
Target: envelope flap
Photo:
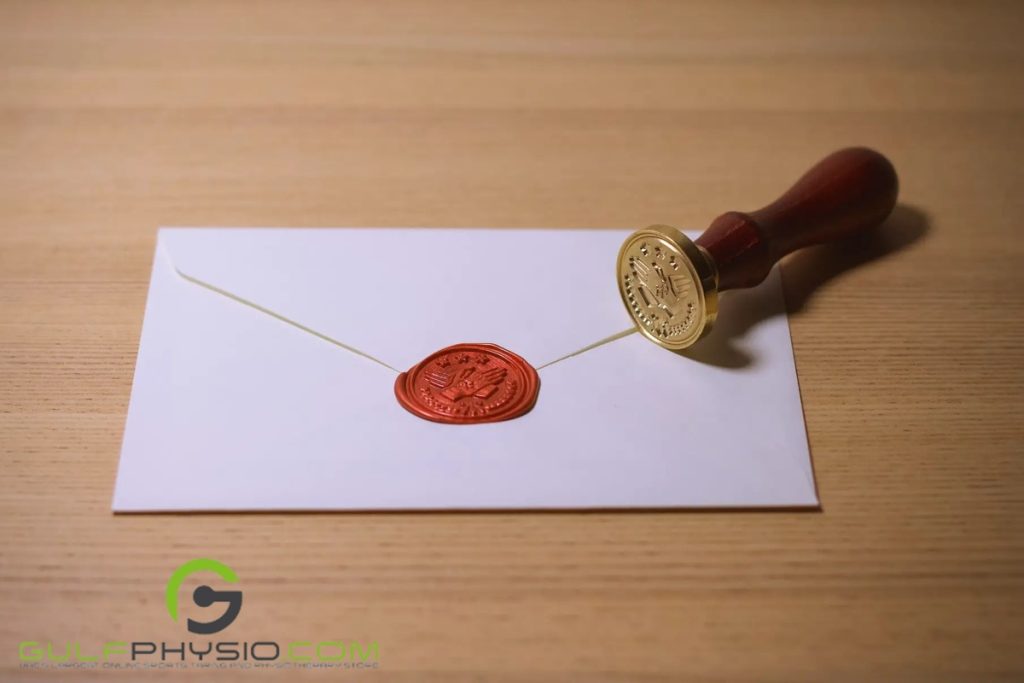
column 400, row 294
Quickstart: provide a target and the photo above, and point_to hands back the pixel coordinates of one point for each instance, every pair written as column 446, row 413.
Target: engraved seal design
column 661, row 288
column 469, row 384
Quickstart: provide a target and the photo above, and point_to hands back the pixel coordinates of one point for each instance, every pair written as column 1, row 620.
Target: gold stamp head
column 669, row 286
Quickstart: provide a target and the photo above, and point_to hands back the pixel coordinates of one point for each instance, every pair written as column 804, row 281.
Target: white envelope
column 268, row 358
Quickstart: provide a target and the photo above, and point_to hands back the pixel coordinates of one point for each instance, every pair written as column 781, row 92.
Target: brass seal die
column 669, row 285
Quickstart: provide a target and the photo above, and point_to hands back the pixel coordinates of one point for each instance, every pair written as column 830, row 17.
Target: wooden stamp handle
column 847, row 192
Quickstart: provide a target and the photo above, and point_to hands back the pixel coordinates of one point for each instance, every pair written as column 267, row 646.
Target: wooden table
column 116, row 118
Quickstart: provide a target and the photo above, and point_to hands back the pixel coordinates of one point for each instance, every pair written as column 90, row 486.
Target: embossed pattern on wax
column 469, row 384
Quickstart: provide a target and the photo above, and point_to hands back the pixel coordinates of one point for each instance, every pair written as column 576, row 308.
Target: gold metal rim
column 700, row 268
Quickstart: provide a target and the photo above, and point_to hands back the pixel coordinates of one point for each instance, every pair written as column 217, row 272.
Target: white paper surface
column 233, row 408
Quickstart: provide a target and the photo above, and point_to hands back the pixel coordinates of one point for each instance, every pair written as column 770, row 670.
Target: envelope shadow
column 804, row 273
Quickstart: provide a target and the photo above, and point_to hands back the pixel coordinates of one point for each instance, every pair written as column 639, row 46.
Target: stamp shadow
column 804, row 273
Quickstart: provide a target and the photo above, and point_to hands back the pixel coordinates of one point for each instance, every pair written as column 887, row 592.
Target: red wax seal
column 467, row 384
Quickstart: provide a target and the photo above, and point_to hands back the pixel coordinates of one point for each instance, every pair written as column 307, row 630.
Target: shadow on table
column 804, row 273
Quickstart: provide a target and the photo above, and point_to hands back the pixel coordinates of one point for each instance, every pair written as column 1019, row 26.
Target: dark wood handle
column 847, row 192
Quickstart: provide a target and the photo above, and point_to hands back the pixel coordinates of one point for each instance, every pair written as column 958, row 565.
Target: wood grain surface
column 116, row 118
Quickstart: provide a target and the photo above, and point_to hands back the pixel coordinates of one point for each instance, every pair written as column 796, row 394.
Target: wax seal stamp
column 469, row 384
column 670, row 284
